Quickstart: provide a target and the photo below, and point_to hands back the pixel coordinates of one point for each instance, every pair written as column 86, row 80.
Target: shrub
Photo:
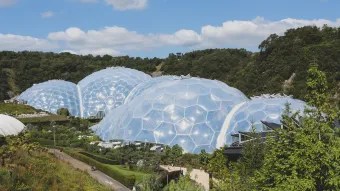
column 127, row 180
column 99, row 158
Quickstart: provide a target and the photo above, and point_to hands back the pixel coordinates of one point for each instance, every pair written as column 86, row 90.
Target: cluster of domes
column 101, row 91
column 194, row 113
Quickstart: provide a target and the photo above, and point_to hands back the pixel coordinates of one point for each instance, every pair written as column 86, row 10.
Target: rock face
column 157, row 74
column 10, row 94
column 288, row 83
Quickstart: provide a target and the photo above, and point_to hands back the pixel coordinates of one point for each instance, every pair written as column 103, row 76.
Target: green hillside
column 16, row 109
column 279, row 57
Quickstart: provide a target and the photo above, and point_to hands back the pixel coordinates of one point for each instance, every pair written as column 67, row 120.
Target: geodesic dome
column 188, row 112
column 107, row 89
column 265, row 109
column 10, row 125
column 53, row 95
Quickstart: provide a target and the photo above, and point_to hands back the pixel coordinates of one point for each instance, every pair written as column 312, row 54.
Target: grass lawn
column 43, row 119
column 16, row 109
column 139, row 175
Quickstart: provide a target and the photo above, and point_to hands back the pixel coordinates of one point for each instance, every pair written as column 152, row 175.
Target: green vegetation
column 44, row 119
column 66, row 136
column 16, row 109
column 126, row 172
column 128, row 179
column 99, row 158
column 26, row 166
column 300, row 156
column 184, row 183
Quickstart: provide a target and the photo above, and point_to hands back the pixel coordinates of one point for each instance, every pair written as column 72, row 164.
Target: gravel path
column 101, row 177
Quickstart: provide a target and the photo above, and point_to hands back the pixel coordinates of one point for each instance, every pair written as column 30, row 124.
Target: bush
column 127, row 180
column 100, row 159
column 43, row 141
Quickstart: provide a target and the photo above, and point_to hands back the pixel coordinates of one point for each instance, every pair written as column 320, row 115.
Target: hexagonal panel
column 173, row 114
column 186, row 99
column 133, row 129
column 185, row 142
column 208, row 103
column 142, row 109
column 195, row 114
column 256, row 116
column 202, row 134
column 183, row 127
column 146, row 136
column 215, row 119
column 152, row 120
column 165, row 133
column 163, row 101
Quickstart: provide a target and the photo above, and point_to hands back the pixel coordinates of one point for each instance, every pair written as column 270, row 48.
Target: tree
column 317, row 88
column 176, row 153
column 204, row 157
column 150, row 183
column 184, row 183
column 218, row 164
column 252, row 154
column 304, row 156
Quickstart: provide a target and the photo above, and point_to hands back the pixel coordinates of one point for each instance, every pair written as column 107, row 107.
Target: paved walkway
column 101, row 177
column 197, row 175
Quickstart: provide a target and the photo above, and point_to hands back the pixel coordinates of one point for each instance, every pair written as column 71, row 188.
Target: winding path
column 101, row 177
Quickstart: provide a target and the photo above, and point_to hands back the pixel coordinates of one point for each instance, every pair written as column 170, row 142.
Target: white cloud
column 47, row 14
column 230, row 34
column 128, row 4
column 250, row 33
column 118, row 40
column 7, row 3
column 19, row 43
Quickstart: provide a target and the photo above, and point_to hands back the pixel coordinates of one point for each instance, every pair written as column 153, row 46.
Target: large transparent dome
column 265, row 109
column 189, row 112
column 53, row 95
column 10, row 125
column 107, row 89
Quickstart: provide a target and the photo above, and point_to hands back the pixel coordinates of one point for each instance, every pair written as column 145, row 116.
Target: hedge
column 46, row 142
column 100, row 159
column 127, row 180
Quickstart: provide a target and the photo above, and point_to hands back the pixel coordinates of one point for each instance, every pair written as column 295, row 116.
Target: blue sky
column 149, row 28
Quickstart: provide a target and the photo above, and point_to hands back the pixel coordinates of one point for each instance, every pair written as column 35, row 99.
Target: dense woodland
column 253, row 73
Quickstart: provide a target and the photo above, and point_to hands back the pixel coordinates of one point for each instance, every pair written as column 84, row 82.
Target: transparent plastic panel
column 185, row 142
column 202, row 134
column 165, row 133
